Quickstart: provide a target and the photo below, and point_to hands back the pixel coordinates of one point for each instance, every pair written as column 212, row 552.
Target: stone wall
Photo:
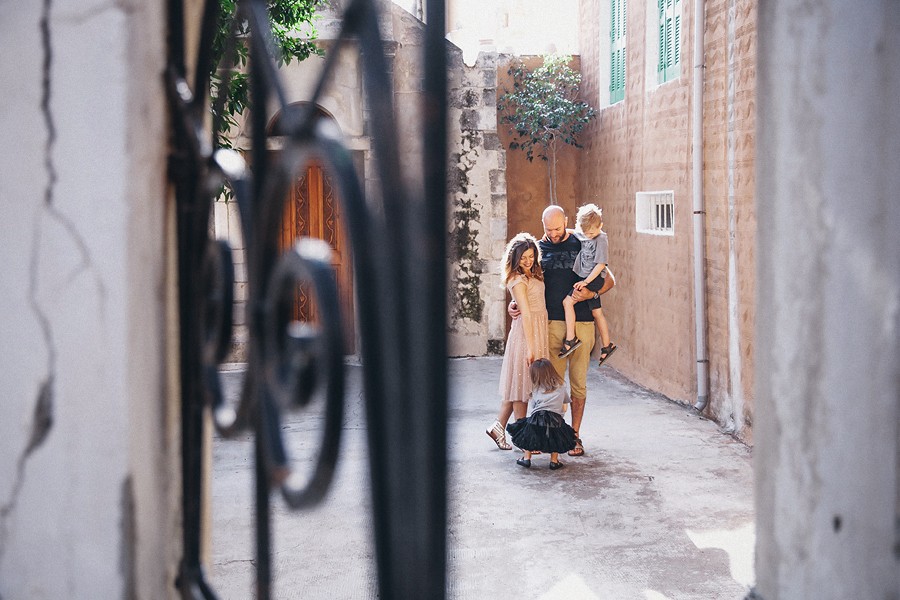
column 643, row 143
column 477, row 209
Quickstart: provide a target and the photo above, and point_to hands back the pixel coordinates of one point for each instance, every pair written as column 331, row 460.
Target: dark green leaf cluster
column 543, row 107
column 293, row 35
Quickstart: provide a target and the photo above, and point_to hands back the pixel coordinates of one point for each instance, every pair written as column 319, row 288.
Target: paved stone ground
column 661, row 506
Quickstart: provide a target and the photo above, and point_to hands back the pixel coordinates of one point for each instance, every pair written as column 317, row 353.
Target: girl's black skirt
column 544, row 430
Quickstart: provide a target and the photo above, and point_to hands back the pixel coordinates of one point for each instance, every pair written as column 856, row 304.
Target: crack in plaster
column 42, row 421
column 43, row 412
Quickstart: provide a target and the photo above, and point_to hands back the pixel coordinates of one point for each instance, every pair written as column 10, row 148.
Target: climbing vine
column 464, row 238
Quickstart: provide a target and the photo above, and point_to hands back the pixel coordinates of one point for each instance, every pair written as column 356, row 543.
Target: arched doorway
column 313, row 209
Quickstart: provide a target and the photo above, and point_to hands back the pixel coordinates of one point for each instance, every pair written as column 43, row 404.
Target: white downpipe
column 699, row 210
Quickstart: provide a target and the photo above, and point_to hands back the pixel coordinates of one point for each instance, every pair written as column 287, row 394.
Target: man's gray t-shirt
column 593, row 252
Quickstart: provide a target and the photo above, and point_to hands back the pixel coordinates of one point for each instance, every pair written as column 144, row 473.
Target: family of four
column 556, row 283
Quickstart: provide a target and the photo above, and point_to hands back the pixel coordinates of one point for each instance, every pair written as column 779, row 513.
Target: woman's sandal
column 496, row 433
column 606, row 352
column 578, row 450
column 568, row 347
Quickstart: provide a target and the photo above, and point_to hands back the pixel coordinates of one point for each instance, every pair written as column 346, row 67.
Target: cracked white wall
column 85, row 443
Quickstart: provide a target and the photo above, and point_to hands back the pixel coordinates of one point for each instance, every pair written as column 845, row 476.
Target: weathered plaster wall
column 88, row 444
column 729, row 156
column 643, row 144
column 827, row 454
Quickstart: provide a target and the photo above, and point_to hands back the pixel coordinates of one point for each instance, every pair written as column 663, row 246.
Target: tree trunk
column 551, row 171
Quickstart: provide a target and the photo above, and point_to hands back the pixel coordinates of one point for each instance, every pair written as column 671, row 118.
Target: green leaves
column 543, row 108
column 294, row 37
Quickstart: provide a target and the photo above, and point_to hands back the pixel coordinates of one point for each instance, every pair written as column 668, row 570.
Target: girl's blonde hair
column 516, row 247
column 543, row 376
column 589, row 215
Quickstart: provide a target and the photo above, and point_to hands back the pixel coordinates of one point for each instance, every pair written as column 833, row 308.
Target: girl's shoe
column 524, row 462
column 496, row 433
column 568, row 347
column 606, row 352
column 556, row 465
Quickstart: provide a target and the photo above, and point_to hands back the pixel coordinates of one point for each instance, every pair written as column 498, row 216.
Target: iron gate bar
column 398, row 246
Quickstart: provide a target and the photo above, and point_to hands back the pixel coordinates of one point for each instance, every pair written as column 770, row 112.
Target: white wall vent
column 655, row 212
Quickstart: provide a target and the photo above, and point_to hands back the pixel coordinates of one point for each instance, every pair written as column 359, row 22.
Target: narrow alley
column 660, row 507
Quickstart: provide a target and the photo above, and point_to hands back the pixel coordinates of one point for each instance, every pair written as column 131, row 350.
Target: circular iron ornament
column 301, row 358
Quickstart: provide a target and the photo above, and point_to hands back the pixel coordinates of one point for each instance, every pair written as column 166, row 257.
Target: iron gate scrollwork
column 398, row 248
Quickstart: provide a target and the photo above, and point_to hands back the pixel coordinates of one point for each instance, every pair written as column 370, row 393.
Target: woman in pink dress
column 527, row 339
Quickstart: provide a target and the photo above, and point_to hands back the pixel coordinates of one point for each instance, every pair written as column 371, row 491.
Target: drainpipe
column 699, row 211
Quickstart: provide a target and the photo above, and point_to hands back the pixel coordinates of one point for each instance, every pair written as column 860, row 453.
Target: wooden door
column 313, row 210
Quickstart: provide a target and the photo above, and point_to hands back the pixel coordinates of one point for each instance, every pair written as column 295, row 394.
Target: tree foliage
column 543, row 110
column 294, row 35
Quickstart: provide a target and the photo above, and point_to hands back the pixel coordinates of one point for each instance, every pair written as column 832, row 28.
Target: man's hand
column 513, row 310
column 582, row 294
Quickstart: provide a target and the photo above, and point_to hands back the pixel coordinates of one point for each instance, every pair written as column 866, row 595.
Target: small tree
column 294, row 36
column 543, row 110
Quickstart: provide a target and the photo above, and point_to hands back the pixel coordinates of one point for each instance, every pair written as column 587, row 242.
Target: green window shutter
column 617, row 51
column 669, row 66
column 661, row 55
column 676, row 41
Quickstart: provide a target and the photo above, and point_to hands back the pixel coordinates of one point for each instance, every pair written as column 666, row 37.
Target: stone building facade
column 643, row 143
column 477, row 210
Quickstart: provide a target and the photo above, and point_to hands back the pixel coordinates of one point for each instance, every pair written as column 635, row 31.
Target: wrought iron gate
column 398, row 247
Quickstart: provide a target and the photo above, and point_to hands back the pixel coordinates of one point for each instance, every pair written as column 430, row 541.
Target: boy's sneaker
column 568, row 347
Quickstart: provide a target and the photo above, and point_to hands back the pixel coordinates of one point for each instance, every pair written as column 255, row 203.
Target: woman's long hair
column 543, row 376
column 516, row 247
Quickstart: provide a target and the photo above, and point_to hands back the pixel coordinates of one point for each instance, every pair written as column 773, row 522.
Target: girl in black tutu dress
column 544, row 428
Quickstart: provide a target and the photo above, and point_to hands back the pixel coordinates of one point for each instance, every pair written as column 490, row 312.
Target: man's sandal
column 496, row 433
column 578, row 450
column 568, row 347
column 606, row 352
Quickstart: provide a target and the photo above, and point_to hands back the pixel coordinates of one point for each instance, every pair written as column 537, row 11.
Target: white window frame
column 654, row 212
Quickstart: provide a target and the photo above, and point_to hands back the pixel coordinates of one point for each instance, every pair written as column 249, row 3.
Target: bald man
column 558, row 251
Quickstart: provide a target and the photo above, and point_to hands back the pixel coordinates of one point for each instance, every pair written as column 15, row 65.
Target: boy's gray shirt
column 593, row 252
